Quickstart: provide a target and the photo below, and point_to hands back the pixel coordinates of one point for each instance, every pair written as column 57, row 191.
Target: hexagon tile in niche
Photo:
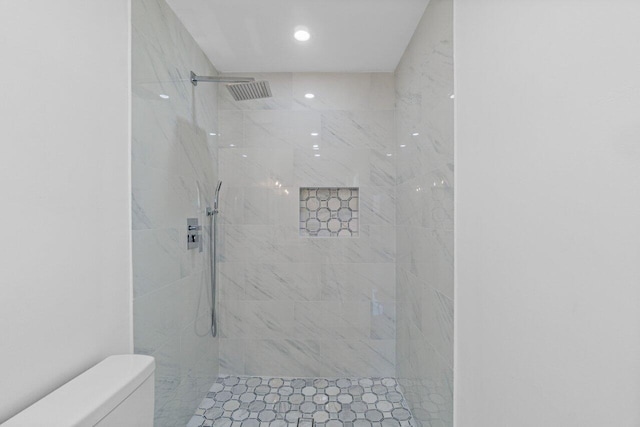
column 329, row 212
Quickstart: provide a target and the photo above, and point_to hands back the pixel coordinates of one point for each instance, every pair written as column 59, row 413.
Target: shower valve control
column 193, row 233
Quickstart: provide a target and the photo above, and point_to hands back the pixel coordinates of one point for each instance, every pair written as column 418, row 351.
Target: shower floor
column 305, row 402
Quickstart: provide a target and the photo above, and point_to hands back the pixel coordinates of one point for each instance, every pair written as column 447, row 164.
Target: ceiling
column 257, row 35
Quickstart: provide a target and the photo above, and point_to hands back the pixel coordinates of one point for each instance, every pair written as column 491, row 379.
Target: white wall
column 548, row 213
column 64, row 184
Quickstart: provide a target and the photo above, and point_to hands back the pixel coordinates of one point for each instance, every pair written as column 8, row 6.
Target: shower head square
column 250, row 90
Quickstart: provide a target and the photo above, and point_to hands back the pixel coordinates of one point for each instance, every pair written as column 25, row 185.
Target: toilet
column 118, row 391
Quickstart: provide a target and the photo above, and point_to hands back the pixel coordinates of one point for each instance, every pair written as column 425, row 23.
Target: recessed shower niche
column 329, row 212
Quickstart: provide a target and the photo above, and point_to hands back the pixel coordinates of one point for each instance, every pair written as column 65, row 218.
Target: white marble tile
column 195, row 342
column 331, row 319
column 150, row 209
column 256, row 206
column 358, row 129
column 208, row 358
column 230, row 131
column 256, row 319
column 256, row 167
column 296, row 357
column 282, row 281
column 427, row 254
column 157, row 259
column 358, row 282
column 167, row 358
column 375, row 244
column 439, row 266
column 305, row 128
column 333, row 168
column 156, row 318
column 426, row 201
column 153, row 132
column 152, row 60
column 437, row 322
column 344, row 91
column 232, row 355
column 382, row 168
column 231, row 204
column 373, row 357
column 231, row 281
column 267, row 206
column 240, row 243
column 196, row 158
column 377, row 205
column 383, row 320
column 267, row 129
column 196, row 299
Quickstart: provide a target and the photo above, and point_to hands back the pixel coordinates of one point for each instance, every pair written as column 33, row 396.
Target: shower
column 241, row 88
column 213, row 234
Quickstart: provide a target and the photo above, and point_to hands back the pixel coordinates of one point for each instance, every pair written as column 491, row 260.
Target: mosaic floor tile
column 236, row 401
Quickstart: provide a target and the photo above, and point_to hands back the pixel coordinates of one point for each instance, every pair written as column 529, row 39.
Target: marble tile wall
column 424, row 213
column 303, row 306
column 173, row 176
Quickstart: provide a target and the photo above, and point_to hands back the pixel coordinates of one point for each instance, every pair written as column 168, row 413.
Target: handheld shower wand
column 213, row 234
column 215, row 198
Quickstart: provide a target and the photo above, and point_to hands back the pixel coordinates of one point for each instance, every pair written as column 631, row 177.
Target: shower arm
column 218, row 79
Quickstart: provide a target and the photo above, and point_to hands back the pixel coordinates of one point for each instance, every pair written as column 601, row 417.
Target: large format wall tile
column 173, row 177
column 297, row 305
column 424, row 217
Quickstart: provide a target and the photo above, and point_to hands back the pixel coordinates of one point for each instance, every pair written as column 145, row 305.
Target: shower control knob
column 193, row 233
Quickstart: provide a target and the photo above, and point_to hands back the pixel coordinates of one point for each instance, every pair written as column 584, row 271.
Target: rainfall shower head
column 241, row 88
column 251, row 90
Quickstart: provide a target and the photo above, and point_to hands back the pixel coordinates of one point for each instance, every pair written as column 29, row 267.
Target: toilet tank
column 118, row 391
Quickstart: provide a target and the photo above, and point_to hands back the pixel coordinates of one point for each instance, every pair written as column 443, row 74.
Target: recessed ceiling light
column 389, row 154
column 314, row 134
column 452, row 96
column 415, row 134
column 244, row 155
column 302, row 35
column 309, row 95
column 403, row 145
column 317, row 155
column 212, row 133
column 232, row 145
column 163, row 96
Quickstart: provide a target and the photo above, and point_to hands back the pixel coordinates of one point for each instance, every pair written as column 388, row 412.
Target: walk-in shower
column 213, row 235
column 290, row 315
column 242, row 89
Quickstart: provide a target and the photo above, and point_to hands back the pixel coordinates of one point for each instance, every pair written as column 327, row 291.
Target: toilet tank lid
column 90, row 396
